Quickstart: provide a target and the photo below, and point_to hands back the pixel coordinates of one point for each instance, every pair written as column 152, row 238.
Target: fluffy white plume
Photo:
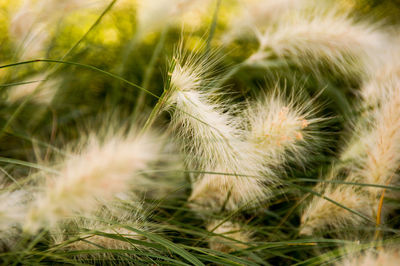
column 104, row 231
column 100, row 170
column 321, row 35
column 372, row 258
column 374, row 158
column 322, row 214
column 13, row 209
column 280, row 124
column 213, row 140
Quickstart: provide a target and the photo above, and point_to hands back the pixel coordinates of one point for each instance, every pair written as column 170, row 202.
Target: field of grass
column 199, row 132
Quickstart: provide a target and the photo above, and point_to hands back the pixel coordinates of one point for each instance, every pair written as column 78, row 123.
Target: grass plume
column 96, row 170
column 213, row 140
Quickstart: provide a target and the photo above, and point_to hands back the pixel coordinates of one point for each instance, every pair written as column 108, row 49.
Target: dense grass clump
column 188, row 132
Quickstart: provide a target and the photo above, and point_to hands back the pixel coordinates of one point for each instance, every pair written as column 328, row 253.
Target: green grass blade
column 168, row 244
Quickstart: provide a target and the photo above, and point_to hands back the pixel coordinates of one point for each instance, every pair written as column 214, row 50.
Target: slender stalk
column 161, row 101
column 213, row 26
column 224, row 78
column 105, row 11
column 80, row 65
column 20, row 83
column 149, row 73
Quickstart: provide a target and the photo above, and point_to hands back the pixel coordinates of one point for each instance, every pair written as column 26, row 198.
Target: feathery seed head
column 185, row 78
column 319, row 35
column 13, row 206
column 373, row 153
column 99, row 170
column 219, row 192
column 372, row 258
column 322, row 214
column 232, row 238
column 380, row 159
column 105, row 230
column 193, row 71
column 277, row 125
column 384, row 79
column 376, row 160
column 212, row 136
column 13, row 209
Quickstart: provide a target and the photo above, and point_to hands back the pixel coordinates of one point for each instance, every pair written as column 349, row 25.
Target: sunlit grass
column 263, row 147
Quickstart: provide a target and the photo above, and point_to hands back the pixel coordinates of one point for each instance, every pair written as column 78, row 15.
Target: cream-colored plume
column 372, row 157
column 380, row 257
column 322, row 214
column 232, row 237
column 104, row 230
column 13, row 208
column 99, row 170
column 281, row 127
column 309, row 37
column 211, row 134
